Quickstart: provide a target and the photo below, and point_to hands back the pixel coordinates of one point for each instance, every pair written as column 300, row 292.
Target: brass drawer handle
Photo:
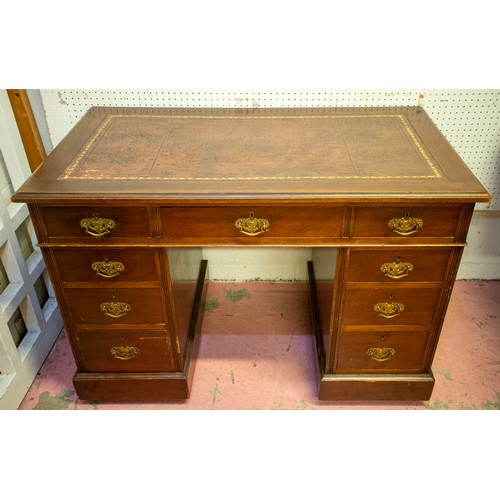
column 389, row 309
column 115, row 309
column 252, row 226
column 108, row 269
column 406, row 225
column 124, row 352
column 396, row 270
column 380, row 353
column 97, row 226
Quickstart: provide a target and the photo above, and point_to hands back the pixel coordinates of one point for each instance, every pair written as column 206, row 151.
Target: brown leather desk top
column 355, row 154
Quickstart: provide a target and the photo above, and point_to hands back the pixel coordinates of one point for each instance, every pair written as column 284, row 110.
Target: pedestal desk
column 125, row 204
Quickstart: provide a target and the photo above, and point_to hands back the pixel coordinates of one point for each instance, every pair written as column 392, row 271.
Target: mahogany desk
column 125, row 203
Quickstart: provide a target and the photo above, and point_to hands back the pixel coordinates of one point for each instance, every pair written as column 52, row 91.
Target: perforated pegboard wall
column 469, row 119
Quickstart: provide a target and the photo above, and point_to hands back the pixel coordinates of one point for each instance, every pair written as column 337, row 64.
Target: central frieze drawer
column 96, row 222
column 118, row 306
column 107, row 265
column 253, row 223
column 126, row 351
column 406, row 221
column 389, row 305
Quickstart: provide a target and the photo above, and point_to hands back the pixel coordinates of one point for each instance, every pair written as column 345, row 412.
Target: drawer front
column 107, row 265
column 389, row 306
column 381, row 352
column 96, row 222
column 117, row 306
column 252, row 224
column 126, row 351
column 406, row 221
column 397, row 266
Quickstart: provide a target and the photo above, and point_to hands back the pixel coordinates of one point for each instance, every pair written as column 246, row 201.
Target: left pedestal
column 131, row 305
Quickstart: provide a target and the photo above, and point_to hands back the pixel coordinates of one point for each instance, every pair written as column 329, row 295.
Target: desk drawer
column 96, row 222
column 381, row 352
column 397, row 266
column 105, row 306
column 107, row 265
column 389, row 305
column 255, row 224
column 126, row 351
column 406, row 221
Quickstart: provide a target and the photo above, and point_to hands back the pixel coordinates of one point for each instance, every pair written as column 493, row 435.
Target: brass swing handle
column 115, row 309
column 107, row 269
column 380, row 353
column 389, row 309
column 97, row 226
column 405, row 225
column 252, row 226
column 124, row 352
column 396, row 270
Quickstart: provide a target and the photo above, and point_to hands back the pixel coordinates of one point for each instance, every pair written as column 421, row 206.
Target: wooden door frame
column 28, row 128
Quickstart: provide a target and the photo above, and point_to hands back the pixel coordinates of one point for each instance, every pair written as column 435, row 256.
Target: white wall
column 469, row 119
column 39, row 112
column 481, row 258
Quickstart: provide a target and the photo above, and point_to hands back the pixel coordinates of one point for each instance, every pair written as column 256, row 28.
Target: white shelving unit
column 29, row 317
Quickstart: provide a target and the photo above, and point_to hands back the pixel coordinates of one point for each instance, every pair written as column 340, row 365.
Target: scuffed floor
column 256, row 352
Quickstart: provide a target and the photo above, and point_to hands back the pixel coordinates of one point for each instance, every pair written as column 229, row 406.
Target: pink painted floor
column 268, row 364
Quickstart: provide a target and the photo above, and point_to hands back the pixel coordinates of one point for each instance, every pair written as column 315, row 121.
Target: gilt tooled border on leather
column 71, row 172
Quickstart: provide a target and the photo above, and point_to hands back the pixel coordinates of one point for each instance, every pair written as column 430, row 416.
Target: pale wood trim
column 28, row 128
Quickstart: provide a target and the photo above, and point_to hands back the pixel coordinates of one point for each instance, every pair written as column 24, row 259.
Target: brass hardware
column 405, row 225
column 124, row 352
column 115, row 309
column 97, row 226
column 380, row 353
column 389, row 309
column 252, row 226
column 396, row 270
column 108, row 269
